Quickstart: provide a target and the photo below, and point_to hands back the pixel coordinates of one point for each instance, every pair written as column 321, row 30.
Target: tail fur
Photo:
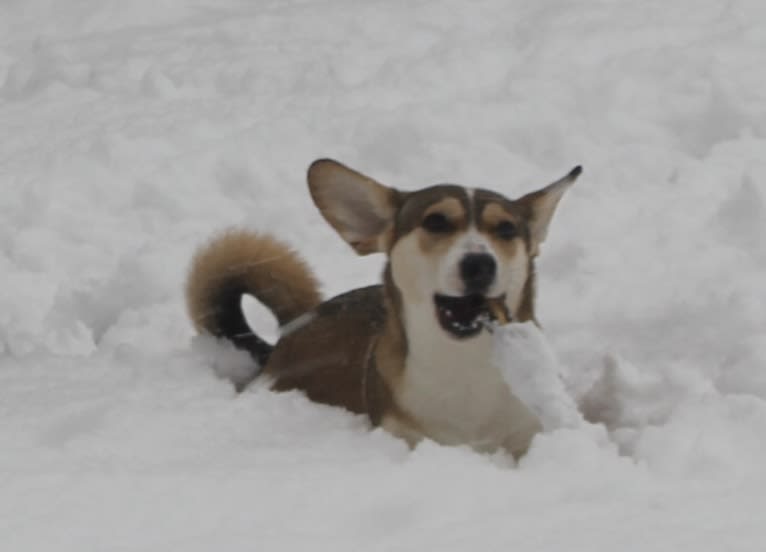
column 241, row 262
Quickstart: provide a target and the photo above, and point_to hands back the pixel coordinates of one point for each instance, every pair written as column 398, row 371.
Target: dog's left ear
column 539, row 207
column 360, row 209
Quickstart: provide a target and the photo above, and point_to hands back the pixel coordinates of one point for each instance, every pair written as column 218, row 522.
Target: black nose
column 478, row 272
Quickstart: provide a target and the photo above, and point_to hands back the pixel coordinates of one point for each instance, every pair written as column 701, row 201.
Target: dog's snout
column 478, row 272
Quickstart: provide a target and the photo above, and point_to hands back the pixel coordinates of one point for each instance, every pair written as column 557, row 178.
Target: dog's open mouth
column 461, row 316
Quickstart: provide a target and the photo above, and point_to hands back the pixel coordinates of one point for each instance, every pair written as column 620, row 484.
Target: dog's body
column 411, row 353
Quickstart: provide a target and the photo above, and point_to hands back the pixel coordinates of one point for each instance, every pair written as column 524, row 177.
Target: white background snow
column 132, row 131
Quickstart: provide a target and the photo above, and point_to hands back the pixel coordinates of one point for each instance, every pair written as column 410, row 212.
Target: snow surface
column 131, row 131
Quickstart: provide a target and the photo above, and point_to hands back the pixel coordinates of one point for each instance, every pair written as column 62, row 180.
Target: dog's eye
column 506, row 230
column 437, row 223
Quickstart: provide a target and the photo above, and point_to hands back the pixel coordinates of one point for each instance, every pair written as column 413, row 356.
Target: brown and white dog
column 413, row 353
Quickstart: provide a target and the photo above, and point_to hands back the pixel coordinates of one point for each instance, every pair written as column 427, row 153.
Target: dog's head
column 457, row 249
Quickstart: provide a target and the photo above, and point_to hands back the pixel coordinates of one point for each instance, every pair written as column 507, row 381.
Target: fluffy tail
column 239, row 262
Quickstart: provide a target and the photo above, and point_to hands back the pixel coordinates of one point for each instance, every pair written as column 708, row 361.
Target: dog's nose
column 478, row 272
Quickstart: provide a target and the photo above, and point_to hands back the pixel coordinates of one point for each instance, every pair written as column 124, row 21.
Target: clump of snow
column 132, row 131
column 530, row 367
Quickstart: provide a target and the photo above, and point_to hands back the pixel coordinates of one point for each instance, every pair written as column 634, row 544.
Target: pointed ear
column 361, row 210
column 541, row 205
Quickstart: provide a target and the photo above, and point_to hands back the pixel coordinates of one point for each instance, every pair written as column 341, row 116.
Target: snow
column 529, row 366
column 131, row 131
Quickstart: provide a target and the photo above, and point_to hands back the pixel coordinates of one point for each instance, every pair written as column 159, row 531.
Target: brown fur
column 328, row 357
column 263, row 266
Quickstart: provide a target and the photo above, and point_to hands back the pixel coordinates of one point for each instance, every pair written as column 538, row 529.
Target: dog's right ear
column 360, row 209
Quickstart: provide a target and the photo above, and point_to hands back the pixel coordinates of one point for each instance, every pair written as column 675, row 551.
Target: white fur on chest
column 455, row 393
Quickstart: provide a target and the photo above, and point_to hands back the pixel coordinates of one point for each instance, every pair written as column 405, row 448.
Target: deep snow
column 131, row 131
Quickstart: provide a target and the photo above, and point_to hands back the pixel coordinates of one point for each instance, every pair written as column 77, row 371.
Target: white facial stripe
column 448, row 278
column 473, row 242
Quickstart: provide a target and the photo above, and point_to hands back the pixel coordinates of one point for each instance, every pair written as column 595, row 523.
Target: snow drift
column 133, row 131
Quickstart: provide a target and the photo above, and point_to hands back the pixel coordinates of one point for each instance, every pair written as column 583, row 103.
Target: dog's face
column 455, row 250
column 458, row 248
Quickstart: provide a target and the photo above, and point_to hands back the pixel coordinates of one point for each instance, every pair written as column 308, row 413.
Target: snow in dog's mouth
column 461, row 316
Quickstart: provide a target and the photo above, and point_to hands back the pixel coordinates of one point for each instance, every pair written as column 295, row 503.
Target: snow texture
column 530, row 367
column 132, row 131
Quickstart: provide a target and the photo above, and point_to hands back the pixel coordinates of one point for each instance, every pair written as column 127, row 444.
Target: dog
column 413, row 353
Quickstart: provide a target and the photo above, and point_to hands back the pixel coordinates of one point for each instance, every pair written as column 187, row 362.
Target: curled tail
column 239, row 262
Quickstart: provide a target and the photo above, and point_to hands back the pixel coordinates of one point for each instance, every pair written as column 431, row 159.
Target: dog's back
column 323, row 346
